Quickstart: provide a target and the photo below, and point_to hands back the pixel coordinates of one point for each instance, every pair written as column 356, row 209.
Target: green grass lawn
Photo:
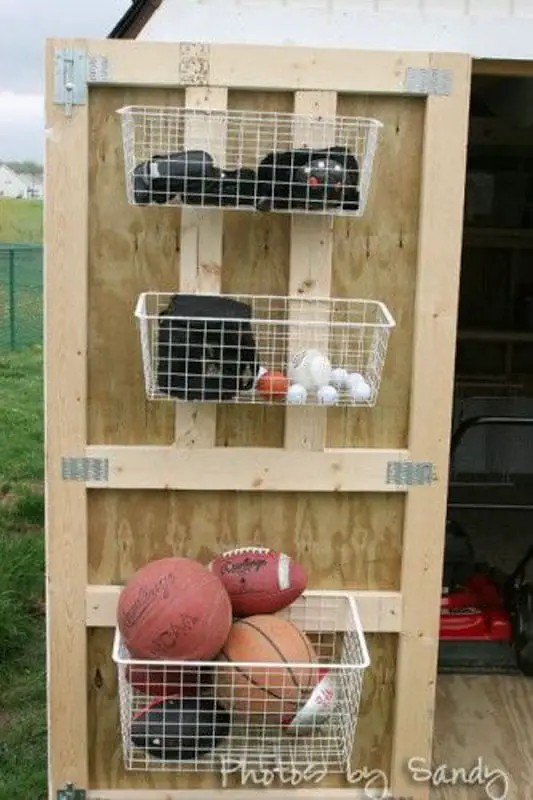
column 22, row 622
column 21, row 221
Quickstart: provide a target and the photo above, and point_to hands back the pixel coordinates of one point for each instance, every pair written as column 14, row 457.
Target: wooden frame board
column 74, row 604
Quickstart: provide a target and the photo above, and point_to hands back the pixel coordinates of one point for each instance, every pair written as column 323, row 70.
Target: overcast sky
column 24, row 25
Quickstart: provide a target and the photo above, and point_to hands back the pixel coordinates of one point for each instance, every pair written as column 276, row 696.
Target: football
column 259, row 580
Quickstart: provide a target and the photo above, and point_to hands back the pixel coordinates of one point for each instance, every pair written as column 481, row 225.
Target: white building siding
column 481, row 28
column 10, row 183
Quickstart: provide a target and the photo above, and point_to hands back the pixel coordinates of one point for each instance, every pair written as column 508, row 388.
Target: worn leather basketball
column 174, row 608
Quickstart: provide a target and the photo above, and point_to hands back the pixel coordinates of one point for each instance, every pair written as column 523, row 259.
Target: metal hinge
column 428, row 81
column 85, row 469
column 73, row 70
column 70, row 793
column 410, row 473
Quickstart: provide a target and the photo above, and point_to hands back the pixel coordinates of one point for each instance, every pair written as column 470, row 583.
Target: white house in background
column 11, row 184
column 19, row 186
column 34, row 184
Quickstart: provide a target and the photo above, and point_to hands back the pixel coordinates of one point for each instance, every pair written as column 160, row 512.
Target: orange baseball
column 273, row 385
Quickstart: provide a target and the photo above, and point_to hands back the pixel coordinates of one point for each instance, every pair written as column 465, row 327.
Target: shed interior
column 491, row 476
column 479, row 715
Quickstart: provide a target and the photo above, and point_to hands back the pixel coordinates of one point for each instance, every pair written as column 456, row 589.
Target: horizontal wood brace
column 318, row 793
column 380, row 611
column 249, row 469
column 146, row 63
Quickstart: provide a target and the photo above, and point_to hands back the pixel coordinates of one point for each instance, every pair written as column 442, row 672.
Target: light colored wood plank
column 439, row 259
column 487, row 717
column 265, row 469
column 315, row 69
column 65, row 357
column 318, row 793
column 201, row 259
column 379, row 611
column 310, row 268
column 144, row 63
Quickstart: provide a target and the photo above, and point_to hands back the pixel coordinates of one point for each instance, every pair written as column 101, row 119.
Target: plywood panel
column 351, row 541
column 376, row 256
column 131, row 250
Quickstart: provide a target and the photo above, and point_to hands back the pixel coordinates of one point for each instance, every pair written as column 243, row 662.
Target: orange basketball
column 273, row 385
column 174, row 608
column 277, row 690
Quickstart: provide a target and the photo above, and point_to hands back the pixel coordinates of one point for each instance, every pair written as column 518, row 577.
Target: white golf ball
column 327, row 395
column 360, row 391
column 310, row 368
column 339, row 378
column 353, row 378
column 296, row 394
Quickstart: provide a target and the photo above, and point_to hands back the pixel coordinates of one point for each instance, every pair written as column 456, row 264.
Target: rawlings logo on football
column 243, row 567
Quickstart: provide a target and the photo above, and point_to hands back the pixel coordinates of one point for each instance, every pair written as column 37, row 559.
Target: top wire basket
column 248, row 160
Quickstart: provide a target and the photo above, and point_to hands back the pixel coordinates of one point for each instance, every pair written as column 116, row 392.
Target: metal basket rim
column 170, row 111
column 389, row 323
column 170, row 663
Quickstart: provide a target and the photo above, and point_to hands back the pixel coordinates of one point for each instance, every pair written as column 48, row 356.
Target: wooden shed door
column 357, row 495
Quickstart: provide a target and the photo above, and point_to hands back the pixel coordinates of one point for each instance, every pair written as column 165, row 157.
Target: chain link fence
column 21, row 296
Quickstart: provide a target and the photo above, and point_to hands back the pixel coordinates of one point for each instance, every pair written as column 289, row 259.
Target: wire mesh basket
column 263, row 349
column 262, row 161
column 232, row 717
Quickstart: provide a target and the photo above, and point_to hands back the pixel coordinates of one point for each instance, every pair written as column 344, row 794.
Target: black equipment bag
column 306, row 178
column 207, row 354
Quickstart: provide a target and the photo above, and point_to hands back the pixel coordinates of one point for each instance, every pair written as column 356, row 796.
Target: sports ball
column 259, row 580
column 158, row 680
column 359, row 389
column 297, row 394
column 181, row 729
column 327, row 395
column 310, row 368
column 174, row 608
column 272, row 692
column 318, row 708
column 272, row 385
column 339, row 378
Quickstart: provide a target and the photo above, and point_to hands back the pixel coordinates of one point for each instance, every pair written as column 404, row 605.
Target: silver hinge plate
column 428, row 81
column 70, row 793
column 73, row 70
column 91, row 470
column 410, row 473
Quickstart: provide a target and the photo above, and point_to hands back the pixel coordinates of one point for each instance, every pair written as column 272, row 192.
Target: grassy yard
column 22, row 623
column 21, row 221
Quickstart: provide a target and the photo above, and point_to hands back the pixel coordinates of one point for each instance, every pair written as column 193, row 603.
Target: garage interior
column 490, row 716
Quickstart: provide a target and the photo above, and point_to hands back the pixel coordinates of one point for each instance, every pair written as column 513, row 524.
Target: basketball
column 270, row 692
column 174, row 608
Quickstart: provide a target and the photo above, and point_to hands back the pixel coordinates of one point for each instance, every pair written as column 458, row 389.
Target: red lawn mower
column 486, row 618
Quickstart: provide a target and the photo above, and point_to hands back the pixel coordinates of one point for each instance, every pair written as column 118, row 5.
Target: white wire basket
column 248, row 160
column 201, row 716
column 263, row 349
